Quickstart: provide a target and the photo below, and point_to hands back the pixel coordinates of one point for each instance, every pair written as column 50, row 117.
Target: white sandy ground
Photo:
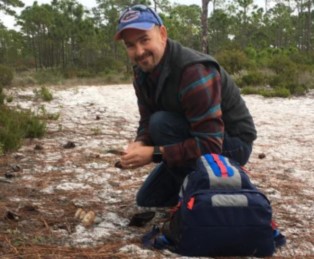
column 285, row 136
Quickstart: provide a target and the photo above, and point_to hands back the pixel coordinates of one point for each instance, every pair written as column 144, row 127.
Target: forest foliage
column 268, row 50
column 269, row 46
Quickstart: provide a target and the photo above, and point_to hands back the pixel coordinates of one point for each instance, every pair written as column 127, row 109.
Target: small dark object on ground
column 261, row 156
column 9, row 175
column 116, row 152
column 118, row 165
column 140, row 219
column 16, row 168
column 69, row 144
column 38, row 147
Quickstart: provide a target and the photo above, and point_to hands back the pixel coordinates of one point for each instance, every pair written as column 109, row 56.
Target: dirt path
column 48, row 179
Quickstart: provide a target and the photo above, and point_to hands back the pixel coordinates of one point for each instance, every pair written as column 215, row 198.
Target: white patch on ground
column 285, row 135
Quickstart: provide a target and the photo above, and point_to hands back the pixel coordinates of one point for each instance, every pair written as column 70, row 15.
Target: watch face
column 157, row 156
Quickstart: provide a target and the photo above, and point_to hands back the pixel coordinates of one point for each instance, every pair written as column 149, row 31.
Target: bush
column 233, row 60
column 2, row 96
column 6, row 75
column 283, row 65
column 16, row 125
column 278, row 92
column 44, row 94
column 48, row 77
column 253, row 78
column 290, row 84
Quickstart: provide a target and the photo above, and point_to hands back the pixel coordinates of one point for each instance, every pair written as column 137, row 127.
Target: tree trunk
column 205, row 47
column 309, row 27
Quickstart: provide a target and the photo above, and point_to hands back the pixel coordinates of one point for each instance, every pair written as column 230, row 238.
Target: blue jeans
column 162, row 186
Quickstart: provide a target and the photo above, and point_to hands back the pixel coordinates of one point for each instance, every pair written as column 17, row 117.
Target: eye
column 129, row 45
column 145, row 40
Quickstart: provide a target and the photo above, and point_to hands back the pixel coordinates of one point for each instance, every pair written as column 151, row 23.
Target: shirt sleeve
column 200, row 97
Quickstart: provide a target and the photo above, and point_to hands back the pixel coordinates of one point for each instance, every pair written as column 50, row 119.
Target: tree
column 204, row 16
column 183, row 25
column 6, row 6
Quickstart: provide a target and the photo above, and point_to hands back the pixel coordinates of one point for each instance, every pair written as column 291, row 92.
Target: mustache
column 145, row 55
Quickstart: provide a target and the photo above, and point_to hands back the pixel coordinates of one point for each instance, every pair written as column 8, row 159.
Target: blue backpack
column 220, row 213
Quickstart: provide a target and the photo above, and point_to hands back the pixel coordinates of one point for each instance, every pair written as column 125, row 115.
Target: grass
column 277, row 92
column 17, row 125
column 44, row 93
column 53, row 78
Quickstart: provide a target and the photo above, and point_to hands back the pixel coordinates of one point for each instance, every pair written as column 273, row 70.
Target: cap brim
column 144, row 26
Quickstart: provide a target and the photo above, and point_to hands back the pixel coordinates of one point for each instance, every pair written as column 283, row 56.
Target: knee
column 140, row 200
column 157, row 120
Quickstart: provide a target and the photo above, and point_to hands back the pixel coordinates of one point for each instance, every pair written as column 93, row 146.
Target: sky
column 9, row 22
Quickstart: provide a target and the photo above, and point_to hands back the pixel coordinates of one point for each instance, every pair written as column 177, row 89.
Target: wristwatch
column 157, row 156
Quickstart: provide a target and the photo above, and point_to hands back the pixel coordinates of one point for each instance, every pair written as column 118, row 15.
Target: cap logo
column 130, row 16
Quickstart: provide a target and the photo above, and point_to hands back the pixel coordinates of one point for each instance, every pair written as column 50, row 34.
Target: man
column 188, row 106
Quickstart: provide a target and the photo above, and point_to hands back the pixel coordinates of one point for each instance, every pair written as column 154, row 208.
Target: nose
column 139, row 50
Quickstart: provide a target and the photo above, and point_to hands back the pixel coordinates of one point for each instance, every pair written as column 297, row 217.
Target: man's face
column 145, row 48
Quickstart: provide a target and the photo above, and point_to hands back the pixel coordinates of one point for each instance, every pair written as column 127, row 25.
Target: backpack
column 220, row 213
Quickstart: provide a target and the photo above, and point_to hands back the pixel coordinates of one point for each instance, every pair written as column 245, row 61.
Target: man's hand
column 137, row 155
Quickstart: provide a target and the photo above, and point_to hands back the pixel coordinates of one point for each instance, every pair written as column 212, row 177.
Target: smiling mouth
column 143, row 57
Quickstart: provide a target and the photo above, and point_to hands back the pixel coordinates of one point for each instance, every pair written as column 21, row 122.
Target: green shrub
column 296, row 89
column 253, row 78
column 1, row 149
column 45, row 94
column 48, row 77
column 6, row 75
column 16, row 125
column 290, row 84
column 233, row 60
column 2, row 96
column 278, row 92
column 9, row 99
column 283, row 65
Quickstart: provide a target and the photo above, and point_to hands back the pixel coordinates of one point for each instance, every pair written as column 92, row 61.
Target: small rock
column 69, row 144
column 290, row 170
column 12, row 216
column 9, row 175
column 89, row 219
column 16, row 168
column 38, row 147
column 261, row 156
column 97, row 117
column 19, row 156
column 118, row 165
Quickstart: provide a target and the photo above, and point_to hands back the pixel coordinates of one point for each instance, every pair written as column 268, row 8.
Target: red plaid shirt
column 200, row 96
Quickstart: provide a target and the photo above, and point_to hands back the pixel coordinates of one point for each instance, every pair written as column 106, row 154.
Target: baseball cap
column 138, row 17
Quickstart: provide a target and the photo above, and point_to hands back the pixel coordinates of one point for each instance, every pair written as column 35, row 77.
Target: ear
column 163, row 33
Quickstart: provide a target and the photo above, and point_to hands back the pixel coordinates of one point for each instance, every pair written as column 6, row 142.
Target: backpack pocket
column 223, row 223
